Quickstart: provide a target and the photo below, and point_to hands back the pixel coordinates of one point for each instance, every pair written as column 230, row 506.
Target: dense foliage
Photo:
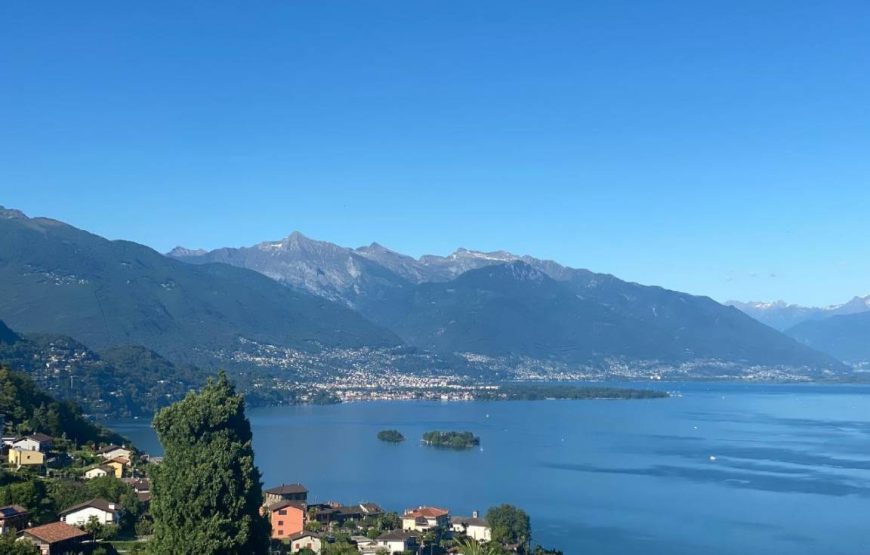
column 536, row 392
column 27, row 409
column 119, row 382
column 452, row 440
column 510, row 525
column 391, row 436
column 207, row 492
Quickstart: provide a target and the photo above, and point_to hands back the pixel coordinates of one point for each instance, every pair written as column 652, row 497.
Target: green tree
column 9, row 546
column 509, row 524
column 469, row 546
column 207, row 492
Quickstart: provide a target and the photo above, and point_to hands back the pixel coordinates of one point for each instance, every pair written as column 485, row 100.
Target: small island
column 451, row 440
column 391, row 436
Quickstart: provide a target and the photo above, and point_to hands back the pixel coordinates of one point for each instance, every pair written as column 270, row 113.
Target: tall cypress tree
column 207, row 492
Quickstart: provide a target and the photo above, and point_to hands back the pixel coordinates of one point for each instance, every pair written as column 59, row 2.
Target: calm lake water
column 718, row 469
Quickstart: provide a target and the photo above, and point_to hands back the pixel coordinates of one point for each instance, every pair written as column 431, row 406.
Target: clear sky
column 720, row 148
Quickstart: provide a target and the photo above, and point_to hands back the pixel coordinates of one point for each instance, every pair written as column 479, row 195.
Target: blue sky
column 719, row 148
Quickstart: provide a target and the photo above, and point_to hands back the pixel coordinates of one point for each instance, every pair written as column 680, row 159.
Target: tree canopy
column 509, row 524
column 207, row 492
column 27, row 409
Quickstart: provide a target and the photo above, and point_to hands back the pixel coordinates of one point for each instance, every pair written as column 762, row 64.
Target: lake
column 716, row 469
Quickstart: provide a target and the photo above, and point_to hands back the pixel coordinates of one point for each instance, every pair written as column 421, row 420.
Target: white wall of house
column 479, row 533
column 95, row 473
column 27, row 444
column 308, row 541
column 394, row 546
column 83, row 516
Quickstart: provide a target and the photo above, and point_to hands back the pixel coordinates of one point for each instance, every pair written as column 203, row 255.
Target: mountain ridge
column 417, row 302
column 59, row 279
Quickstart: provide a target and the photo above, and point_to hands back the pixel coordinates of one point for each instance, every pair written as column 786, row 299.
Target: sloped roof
column 98, row 503
column 284, row 504
column 426, row 512
column 11, row 511
column 287, row 489
column 55, row 532
column 397, row 535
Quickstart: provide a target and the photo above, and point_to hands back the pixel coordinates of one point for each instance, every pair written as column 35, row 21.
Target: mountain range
column 299, row 295
column 501, row 304
column 840, row 330
column 782, row 315
column 56, row 278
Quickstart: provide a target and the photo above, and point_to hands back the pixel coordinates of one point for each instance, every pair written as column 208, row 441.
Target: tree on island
column 391, row 436
column 452, row 440
column 207, row 491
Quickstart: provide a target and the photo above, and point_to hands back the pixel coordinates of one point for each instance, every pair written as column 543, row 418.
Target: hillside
column 783, row 316
column 26, row 409
column 516, row 309
column 501, row 304
column 59, row 279
column 846, row 337
column 121, row 381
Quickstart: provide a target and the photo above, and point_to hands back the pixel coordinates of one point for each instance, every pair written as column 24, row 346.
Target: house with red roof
column 56, row 538
column 425, row 518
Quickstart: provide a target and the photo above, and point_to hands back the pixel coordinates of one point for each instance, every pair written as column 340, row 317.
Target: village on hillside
column 115, row 518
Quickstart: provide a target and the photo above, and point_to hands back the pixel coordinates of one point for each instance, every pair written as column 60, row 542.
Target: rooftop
column 284, row 504
column 426, row 512
column 11, row 511
column 55, row 532
column 286, row 489
column 97, row 503
column 468, row 521
column 397, row 535
column 42, row 438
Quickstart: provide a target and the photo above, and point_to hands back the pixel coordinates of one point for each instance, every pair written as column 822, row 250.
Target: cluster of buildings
column 291, row 515
column 67, row 535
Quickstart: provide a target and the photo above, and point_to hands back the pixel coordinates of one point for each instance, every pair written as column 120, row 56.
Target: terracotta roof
column 55, row 532
column 286, row 489
column 101, row 504
column 426, row 512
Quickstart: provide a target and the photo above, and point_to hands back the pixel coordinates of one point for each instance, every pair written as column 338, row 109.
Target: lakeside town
column 117, row 519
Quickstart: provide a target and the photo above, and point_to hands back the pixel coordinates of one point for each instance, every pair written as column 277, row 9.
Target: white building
column 474, row 527
column 36, row 442
column 99, row 472
column 305, row 540
column 113, row 452
column 398, row 541
column 105, row 512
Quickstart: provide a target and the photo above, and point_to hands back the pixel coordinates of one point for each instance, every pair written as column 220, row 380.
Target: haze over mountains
column 501, row 304
column 782, row 315
column 840, row 330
